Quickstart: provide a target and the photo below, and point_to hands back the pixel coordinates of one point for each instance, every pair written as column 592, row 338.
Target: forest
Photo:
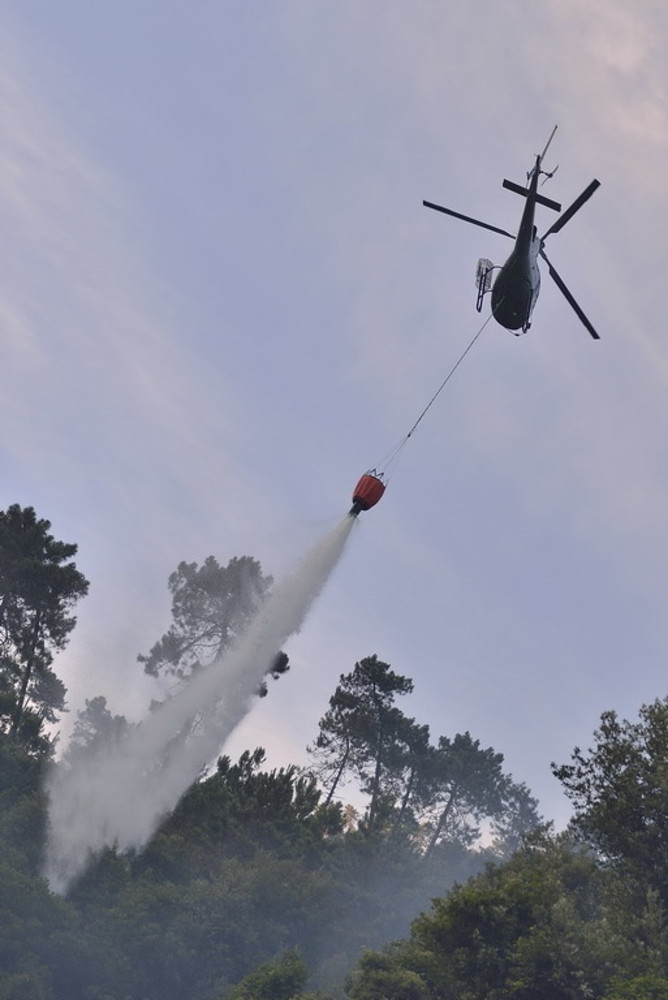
column 442, row 883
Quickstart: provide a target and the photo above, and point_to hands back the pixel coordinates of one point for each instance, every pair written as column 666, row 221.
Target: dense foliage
column 211, row 606
column 263, row 885
column 580, row 915
column 619, row 790
column 39, row 585
column 250, row 866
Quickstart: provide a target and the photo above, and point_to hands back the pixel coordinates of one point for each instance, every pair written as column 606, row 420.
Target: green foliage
column 619, row 791
column 362, row 732
column 550, row 923
column 379, row 977
column 255, row 888
column 639, row 988
column 251, row 865
column 237, row 812
column 95, row 728
column 465, row 785
column 39, row 585
column 38, row 944
column 211, row 606
column 22, row 805
column 23, row 986
column 433, row 794
column 280, row 979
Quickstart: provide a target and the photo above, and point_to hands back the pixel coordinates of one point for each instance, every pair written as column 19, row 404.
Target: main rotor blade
column 572, row 209
column 567, row 295
column 467, row 218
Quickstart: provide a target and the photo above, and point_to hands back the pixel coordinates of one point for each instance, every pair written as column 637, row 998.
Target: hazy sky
column 221, row 300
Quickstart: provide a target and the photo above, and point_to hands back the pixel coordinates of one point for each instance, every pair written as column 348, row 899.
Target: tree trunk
column 339, row 773
column 375, row 785
column 442, row 819
column 29, row 660
column 404, row 802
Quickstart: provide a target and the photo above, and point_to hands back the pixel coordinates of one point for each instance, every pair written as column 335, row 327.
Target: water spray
column 117, row 797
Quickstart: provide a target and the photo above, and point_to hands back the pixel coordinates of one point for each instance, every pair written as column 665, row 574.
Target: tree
column 448, row 788
column 467, row 785
column 415, row 761
column 619, row 791
column 212, row 605
column 466, row 782
column 22, row 805
column 518, row 818
column 519, row 931
column 238, row 811
column 362, row 732
column 280, row 979
column 639, row 988
column 95, row 729
column 39, row 586
column 379, row 977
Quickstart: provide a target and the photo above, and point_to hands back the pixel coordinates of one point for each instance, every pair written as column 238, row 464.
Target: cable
column 393, row 455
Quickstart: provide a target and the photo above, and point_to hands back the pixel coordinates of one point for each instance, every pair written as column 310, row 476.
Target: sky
column 221, row 301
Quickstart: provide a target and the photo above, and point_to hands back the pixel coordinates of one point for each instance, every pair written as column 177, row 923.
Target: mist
column 118, row 795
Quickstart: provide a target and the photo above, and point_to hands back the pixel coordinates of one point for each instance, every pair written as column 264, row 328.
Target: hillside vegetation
column 266, row 885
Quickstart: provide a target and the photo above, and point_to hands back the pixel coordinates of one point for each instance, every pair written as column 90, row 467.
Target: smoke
column 117, row 796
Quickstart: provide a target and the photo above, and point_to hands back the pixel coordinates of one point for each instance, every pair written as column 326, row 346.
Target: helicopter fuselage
column 515, row 290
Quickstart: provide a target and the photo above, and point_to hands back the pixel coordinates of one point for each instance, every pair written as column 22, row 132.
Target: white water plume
column 117, row 796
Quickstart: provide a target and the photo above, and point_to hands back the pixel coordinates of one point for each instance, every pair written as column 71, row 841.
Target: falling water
column 118, row 796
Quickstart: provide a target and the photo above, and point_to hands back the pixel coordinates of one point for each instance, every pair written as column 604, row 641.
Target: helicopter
column 517, row 284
